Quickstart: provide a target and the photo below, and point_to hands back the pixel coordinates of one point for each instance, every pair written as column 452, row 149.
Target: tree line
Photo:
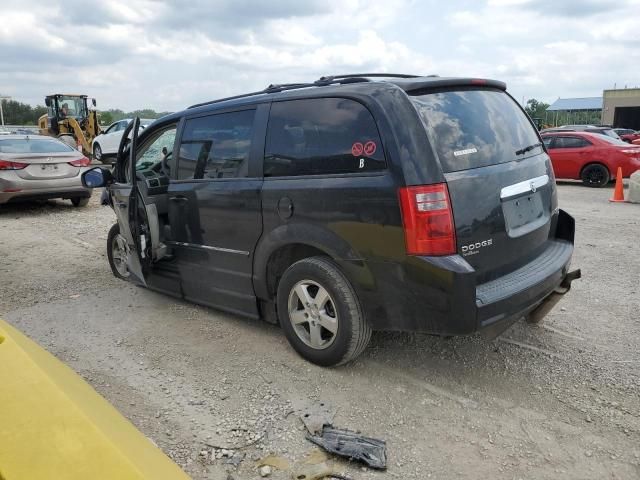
column 18, row 113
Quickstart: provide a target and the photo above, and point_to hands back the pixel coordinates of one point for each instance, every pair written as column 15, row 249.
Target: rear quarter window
column 475, row 128
column 321, row 136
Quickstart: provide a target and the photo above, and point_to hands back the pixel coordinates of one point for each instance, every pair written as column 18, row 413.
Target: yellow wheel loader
column 69, row 118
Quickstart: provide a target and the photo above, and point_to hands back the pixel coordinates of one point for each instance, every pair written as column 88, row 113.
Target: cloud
column 169, row 54
column 573, row 8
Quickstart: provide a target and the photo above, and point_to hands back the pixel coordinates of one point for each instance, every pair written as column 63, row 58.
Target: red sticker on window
column 356, row 149
column 370, row 148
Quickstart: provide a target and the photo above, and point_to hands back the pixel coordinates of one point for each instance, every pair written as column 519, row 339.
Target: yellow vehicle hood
column 54, row 425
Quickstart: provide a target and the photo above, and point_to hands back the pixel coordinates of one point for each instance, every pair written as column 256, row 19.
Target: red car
column 589, row 157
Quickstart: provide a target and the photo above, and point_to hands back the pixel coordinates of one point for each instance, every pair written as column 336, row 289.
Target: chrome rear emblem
column 533, row 187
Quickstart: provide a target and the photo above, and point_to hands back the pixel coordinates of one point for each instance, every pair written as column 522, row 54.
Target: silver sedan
column 34, row 167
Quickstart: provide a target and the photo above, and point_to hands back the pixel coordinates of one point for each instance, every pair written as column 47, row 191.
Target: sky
column 169, row 54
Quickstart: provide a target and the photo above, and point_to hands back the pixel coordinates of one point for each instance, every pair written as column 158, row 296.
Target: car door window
column 216, row 146
column 570, row 142
column 112, row 128
column 321, row 136
column 150, row 154
column 121, row 126
column 547, row 141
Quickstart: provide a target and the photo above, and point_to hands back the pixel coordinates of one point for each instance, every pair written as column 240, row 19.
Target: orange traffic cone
column 618, row 193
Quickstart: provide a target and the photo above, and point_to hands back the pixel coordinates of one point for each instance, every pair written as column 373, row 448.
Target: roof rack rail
column 372, row 75
column 321, row 82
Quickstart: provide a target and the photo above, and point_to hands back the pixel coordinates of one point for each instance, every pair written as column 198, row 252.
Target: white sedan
column 106, row 144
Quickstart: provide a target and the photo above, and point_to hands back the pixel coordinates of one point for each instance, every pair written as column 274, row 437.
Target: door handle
column 179, row 199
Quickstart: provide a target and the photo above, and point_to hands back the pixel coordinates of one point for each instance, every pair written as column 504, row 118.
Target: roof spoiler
column 429, row 83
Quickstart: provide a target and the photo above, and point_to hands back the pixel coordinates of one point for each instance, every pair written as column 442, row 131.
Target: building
column 621, row 108
column 573, row 111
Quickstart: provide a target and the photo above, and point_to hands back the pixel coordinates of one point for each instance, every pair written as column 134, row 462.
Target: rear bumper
column 439, row 294
column 14, row 188
column 514, row 294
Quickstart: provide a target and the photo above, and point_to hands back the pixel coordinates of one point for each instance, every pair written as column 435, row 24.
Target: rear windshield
column 475, row 128
column 33, row 145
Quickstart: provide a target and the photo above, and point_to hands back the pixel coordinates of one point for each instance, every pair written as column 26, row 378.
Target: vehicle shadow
column 36, row 207
column 522, row 352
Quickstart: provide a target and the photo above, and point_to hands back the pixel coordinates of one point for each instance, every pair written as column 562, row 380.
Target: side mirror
column 165, row 152
column 96, row 177
column 93, row 101
column 47, row 101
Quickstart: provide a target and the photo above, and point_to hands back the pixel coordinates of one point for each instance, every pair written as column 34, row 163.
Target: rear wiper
column 524, row 150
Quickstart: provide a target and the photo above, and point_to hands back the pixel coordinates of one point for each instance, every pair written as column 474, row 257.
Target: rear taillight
column 81, row 162
column 428, row 220
column 7, row 165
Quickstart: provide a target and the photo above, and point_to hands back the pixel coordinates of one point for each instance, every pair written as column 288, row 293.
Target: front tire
column 595, row 175
column 320, row 313
column 116, row 253
column 97, row 152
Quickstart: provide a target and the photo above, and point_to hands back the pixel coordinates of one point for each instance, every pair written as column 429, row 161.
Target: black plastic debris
column 352, row 445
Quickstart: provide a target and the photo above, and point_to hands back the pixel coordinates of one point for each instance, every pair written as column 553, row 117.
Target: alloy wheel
column 120, row 254
column 97, row 152
column 313, row 314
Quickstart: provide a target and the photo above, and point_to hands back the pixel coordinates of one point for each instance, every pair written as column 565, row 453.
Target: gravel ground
column 558, row 400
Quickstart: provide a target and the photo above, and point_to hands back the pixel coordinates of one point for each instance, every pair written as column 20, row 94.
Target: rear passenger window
column 216, row 146
column 570, row 142
column 321, row 136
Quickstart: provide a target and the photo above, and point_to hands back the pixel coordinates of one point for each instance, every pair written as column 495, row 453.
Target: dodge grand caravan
column 350, row 204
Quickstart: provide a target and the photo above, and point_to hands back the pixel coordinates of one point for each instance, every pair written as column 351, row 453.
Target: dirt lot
column 560, row 400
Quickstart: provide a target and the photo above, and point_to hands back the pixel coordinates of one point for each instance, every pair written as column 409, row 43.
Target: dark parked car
column 346, row 205
column 627, row 134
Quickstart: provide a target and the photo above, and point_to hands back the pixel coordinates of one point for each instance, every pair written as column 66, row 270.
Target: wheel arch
column 288, row 244
column 595, row 162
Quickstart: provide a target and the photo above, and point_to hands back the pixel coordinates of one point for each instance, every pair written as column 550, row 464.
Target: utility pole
column 1, row 111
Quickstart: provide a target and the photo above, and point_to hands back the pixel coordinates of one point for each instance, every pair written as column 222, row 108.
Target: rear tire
column 115, row 253
column 595, row 175
column 330, row 302
column 80, row 201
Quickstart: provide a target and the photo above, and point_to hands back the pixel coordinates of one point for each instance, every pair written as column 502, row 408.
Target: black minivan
column 350, row 204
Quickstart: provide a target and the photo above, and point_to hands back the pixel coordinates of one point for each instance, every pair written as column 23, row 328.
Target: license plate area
column 50, row 170
column 524, row 214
